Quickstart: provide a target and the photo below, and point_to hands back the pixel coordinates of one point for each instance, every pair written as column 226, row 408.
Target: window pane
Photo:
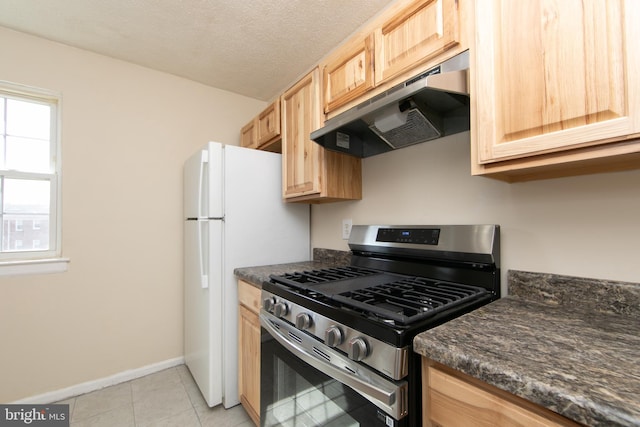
column 29, row 172
column 2, row 150
column 21, row 235
column 28, row 119
column 2, row 101
column 24, row 196
column 28, row 155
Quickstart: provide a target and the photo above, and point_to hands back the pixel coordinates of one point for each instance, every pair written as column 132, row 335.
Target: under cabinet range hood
column 426, row 107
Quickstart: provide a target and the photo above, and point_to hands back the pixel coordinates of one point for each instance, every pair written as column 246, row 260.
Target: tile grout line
column 184, row 386
column 74, row 399
column 133, row 407
column 193, row 406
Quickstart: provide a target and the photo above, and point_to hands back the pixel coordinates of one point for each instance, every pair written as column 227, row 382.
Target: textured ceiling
column 252, row 47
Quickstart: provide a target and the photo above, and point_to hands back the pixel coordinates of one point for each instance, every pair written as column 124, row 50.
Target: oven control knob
column 357, row 349
column 333, row 336
column 280, row 309
column 268, row 304
column 303, row 321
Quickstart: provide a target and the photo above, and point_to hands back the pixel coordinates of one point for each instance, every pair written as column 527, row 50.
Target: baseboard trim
column 89, row 386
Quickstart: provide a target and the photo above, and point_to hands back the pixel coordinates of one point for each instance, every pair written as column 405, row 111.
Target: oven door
column 305, row 383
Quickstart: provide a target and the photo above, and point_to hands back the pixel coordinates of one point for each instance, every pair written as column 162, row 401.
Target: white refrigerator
column 234, row 217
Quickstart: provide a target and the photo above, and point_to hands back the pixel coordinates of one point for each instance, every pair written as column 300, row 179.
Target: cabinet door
column 418, row 33
column 554, row 75
column 248, row 135
column 249, row 349
column 301, row 157
column 452, row 401
column 249, row 339
column 249, row 296
column 268, row 126
column 348, row 73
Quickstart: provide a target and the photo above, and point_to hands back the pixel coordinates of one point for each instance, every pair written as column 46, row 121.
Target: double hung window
column 29, row 174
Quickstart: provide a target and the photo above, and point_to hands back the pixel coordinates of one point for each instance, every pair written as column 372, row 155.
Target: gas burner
column 377, row 318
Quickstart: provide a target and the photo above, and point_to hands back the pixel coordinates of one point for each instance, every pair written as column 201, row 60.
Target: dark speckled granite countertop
column 569, row 344
column 322, row 258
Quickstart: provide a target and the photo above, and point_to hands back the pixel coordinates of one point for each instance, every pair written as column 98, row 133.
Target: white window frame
column 49, row 261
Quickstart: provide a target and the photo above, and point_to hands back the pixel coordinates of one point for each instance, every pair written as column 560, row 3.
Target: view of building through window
column 25, row 215
column 27, row 173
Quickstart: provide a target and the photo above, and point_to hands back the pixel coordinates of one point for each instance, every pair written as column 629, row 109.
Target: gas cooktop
column 389, row 296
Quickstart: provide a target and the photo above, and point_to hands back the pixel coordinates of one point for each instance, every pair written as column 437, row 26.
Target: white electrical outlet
column 346, row 228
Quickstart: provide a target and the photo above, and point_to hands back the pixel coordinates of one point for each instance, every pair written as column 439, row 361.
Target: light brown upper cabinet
column 263, row 131
column 249, row 135
column 348, row 74
column 419, row 32
column 268, row 124
column 309, row 172
column 405, row 37
column 555, row 87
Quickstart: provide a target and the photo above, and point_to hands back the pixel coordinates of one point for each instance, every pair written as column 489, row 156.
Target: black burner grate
column 411, row 299
column 325, row 275
column 387, row 297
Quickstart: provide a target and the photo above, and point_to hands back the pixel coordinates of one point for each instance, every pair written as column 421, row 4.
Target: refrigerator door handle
column 203, row 252
column 202, row 196
column 203, row 243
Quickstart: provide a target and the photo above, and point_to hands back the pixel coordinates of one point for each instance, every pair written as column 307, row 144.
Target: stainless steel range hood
column 429, row 106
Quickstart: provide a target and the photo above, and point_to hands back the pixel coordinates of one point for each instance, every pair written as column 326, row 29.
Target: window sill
column 34, row 266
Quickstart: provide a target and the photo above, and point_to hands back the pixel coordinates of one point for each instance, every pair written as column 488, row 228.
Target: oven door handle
column 389, row 396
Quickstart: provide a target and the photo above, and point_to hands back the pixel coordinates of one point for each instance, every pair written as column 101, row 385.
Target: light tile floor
column 165, row 399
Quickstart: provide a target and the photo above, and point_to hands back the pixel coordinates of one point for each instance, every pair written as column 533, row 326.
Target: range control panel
column 418, row 236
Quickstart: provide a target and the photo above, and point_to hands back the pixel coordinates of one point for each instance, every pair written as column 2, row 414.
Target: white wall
column 126, row 131
column 583, row 226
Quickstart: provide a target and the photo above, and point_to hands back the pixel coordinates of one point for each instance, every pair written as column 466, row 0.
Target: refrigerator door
column 203, row 306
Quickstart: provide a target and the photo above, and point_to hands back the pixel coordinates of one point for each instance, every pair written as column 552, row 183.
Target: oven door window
column 293, row 393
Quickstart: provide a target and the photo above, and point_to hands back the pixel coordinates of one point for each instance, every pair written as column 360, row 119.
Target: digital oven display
column 418, row 236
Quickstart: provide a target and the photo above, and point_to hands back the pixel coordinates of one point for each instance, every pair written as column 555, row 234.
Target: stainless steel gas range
column 337, row 343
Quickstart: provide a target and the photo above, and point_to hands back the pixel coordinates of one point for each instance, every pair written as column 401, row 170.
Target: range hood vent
column 426, row 107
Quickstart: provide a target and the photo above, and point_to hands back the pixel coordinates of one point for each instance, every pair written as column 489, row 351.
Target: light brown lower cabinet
column 451, row 398
column 249, row 349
